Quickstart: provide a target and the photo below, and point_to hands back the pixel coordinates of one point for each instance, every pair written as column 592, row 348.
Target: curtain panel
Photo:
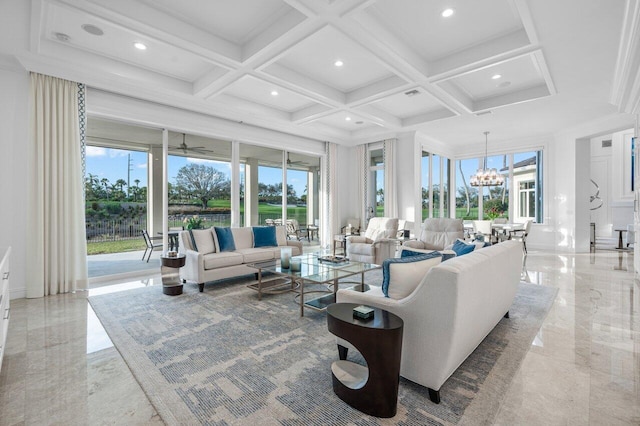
column 362, row 153
column 56, row 237
column 390, row 181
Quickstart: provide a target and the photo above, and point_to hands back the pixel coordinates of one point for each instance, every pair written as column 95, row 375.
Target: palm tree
column 466, row 189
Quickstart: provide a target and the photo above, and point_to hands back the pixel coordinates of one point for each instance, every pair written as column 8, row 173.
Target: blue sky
column 112, row 164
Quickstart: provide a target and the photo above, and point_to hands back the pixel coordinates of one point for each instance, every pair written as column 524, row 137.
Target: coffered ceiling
column 348, row 71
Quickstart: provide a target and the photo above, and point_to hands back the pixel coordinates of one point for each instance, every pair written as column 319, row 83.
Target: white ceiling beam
column 541, row 65
column 38, row 8
column 520, row 96
column 305, row 86
column 393, row 53
column 247, row 108
column 462, row 100
column 522, row 9
column 205, row 86
column 480, row 56
column 378, row 116
column 427, row 117
column 377, row 90
column 310, row 113
column 283, row 32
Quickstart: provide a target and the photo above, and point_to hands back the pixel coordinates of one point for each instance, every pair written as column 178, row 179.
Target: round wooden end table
column 171, row 284
column 372, row 390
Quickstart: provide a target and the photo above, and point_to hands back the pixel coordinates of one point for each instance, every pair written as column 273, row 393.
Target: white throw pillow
column 405, row 277
column 281, row 235
column 204, row 240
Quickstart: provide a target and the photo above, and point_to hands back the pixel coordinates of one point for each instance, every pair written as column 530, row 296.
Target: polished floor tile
column 583, row 367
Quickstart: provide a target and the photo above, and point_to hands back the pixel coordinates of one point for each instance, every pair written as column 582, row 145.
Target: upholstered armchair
column 437, row 233
column 378, row 242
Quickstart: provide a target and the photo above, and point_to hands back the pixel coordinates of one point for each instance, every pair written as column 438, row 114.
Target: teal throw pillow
column 462, row 248
column 225, row 239
column 409, row 253
column 264, row 236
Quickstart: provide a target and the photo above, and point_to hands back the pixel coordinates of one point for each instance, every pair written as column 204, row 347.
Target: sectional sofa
column 217, row 253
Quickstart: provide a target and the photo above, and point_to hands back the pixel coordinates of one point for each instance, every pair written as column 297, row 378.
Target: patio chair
column 294, row 230
column 151, row 244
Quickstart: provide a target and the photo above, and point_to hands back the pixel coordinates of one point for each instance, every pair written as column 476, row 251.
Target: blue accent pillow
column 386, row 275
column 225, row 239
column 409, row 253
column 264, row 236
column 462, row 248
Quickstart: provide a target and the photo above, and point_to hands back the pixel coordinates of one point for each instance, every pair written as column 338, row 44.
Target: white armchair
column 438, row 233
column 378, row 242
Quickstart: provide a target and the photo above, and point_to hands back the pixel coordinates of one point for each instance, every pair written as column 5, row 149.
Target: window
column 466, row 195
column 376, row 187
column 527, row 199
column 435, row 185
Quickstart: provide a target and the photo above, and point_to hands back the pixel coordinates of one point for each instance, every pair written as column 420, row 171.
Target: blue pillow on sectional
column 386, row 275
column 264, row 236
column 462, row 248
column 225, row 239
column 408, row 253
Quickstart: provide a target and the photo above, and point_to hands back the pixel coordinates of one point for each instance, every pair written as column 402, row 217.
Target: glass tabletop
column 314, row 269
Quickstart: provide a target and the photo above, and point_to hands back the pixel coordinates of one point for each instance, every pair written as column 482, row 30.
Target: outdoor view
column 199, row 196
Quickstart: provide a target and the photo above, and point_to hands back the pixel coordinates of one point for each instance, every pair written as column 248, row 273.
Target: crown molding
column 625, row 93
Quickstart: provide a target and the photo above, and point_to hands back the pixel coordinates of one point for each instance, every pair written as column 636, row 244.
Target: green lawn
column 115, row 246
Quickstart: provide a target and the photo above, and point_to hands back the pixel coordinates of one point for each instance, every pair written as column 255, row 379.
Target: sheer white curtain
column 362, row 153
column 390, row 181
column 56, row 245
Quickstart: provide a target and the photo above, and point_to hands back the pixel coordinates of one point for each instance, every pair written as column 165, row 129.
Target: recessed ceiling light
column 140, row 46
column 496, row 76
column 92, row 29
column 338, row 63
column 348, row 118
column 61, row 37
column 274, row 93
column 448, row 12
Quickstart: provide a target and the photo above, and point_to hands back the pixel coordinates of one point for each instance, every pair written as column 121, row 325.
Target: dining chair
column 521, row 234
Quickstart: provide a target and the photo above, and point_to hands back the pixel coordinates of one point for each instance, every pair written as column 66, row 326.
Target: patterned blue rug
column 222, row 357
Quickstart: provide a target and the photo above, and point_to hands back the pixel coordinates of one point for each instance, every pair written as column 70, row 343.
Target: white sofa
column 208, row 263
column 378, row 242
column 452, row 309
column 437, row 233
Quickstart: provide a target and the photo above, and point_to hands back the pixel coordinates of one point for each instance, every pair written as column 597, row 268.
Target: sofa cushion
column 222, row 259
column 281, row 235
column 264, row 236
column 243, row 237
column 401, row 276
column 255, row 254
column 461, row 248
column 203, row 240
column 225, row 239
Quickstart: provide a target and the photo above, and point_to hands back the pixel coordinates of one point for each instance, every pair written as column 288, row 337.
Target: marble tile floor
column 582, row 368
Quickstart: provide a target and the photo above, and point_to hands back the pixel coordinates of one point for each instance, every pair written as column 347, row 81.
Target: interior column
column 154, row 193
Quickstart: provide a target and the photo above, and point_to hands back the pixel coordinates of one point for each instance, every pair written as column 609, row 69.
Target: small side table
column 372, row 390
column 171, row 284
column 341, row 241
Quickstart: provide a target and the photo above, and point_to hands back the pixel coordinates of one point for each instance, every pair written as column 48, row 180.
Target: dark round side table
column 171, row 284
column 372, row 390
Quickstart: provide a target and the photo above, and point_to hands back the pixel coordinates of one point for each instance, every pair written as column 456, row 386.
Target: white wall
column 14, row 87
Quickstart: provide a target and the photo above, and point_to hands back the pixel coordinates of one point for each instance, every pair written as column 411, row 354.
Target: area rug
column 222, row 357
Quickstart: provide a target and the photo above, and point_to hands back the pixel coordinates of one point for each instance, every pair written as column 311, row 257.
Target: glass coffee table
column 315, row 270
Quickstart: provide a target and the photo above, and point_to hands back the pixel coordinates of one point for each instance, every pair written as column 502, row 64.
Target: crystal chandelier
column 484, row 176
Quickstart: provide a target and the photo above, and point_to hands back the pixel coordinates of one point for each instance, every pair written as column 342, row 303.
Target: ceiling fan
column 293, row 163
column 185, row 148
